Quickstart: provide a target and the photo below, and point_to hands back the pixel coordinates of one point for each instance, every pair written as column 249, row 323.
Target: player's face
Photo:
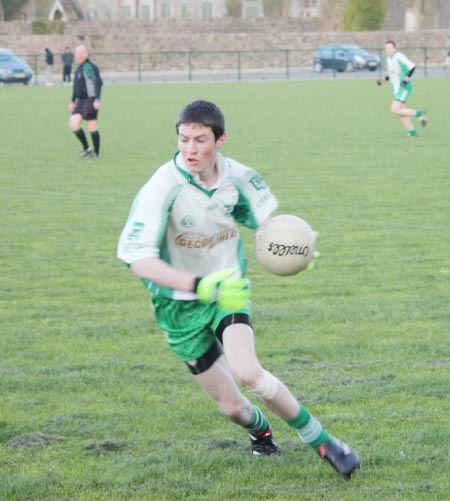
column 198, row 147
column 81, row 54
column 389, row 49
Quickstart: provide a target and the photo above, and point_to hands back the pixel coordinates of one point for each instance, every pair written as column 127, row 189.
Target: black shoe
column 423, row 119
column 85, row 153
column 341, row 457
column 263, row 444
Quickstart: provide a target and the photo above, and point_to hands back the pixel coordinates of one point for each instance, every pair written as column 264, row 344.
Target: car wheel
column 373, row 68
column 349, row 66
column 317, row 67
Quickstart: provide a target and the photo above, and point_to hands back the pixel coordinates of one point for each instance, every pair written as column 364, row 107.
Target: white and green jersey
column 398, row 67
column 175, row 218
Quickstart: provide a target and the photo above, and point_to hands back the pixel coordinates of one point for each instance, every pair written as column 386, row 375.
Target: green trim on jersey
column 89, row 71
column 242, row 211
column 191, row 179
column 242, row 258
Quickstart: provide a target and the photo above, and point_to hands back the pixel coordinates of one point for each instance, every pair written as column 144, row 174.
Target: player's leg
column 404, row 114
column 189, row 330
column 75, row 126
column 239, row 348
column 95, row 136
column 213, row 374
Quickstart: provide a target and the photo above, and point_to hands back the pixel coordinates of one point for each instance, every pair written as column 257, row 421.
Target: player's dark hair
column 391, row 42
column 205, row 113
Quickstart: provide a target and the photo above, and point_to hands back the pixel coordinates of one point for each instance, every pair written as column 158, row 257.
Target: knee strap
column 204, row 362
column 268, row 387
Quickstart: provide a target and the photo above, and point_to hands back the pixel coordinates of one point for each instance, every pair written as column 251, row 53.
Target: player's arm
column 230, row 293
column 159, row 272
column 408, row 76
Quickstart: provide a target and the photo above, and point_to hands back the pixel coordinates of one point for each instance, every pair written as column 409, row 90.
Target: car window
column 6, row 58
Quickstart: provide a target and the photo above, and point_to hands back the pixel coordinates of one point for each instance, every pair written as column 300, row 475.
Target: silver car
column 13, row 69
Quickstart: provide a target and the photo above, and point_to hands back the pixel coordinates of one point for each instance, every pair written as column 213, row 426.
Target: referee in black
column 85, row 103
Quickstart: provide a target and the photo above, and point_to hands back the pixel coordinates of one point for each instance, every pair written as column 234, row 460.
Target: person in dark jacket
column 85, row 102
column 67, row 60
column 49, row 59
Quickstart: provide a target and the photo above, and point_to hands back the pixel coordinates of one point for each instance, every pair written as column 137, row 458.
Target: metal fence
column 228, row 66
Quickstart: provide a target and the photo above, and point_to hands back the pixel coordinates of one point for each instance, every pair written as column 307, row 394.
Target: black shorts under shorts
column 85, row 108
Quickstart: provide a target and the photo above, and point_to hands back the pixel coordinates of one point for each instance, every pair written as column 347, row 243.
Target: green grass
column 363, row 340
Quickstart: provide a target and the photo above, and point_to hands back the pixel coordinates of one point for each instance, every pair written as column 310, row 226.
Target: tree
column 11, row 8
column 364, row 15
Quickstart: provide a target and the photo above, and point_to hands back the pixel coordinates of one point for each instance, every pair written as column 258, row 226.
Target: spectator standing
column 67, row 60
column 447, row 56
column 49, row 59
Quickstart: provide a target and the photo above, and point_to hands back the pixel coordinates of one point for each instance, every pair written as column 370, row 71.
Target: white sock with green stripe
column 309, row 429
column 258, row 423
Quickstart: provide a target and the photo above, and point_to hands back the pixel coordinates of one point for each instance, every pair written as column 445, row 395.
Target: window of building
column 186, row 11
column 125, row 12
column 146, row 12
column 165, row 10
column 253, row 8
column 207, row 10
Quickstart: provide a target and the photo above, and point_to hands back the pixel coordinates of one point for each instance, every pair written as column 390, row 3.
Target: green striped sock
column 309, row 429
column 258, row 423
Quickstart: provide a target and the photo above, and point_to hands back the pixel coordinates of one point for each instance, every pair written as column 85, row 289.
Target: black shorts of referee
column 85, row 108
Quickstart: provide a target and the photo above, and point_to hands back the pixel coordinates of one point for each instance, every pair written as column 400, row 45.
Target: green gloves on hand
column 231, row 294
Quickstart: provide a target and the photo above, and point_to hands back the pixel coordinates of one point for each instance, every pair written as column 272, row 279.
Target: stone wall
column 227, row 35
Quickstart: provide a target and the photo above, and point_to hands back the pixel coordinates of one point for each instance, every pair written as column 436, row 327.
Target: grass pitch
column 363, row 340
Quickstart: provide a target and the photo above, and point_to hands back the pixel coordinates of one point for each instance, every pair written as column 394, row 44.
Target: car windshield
column 9, row 58
column 357, row 51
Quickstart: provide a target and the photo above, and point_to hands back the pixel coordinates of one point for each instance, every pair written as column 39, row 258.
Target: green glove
column 312, row 263
column 231, row 294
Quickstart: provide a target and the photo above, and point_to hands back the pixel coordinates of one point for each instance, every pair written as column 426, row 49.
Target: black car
column 13, row 69
column 344, row 57
column 362, row 59
column 331, row 57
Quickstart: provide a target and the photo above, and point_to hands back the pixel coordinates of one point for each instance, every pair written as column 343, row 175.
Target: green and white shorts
column 402, row 94
column 190, row 326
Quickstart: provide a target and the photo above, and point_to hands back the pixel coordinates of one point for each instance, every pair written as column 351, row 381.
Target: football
column 285, row 245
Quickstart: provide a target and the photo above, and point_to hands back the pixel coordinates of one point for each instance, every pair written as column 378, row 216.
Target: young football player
column 400, row 71
column 182, row 240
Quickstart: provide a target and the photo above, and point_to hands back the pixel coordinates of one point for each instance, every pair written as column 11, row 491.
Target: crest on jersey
column 257, row 182
column 187, row 221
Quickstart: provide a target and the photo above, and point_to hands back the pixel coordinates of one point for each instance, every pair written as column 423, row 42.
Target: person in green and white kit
column 400, row 70
column 182, row 240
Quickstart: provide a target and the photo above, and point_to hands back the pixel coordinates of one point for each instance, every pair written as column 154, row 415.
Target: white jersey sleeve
column 146, row 226
column 256, row 201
